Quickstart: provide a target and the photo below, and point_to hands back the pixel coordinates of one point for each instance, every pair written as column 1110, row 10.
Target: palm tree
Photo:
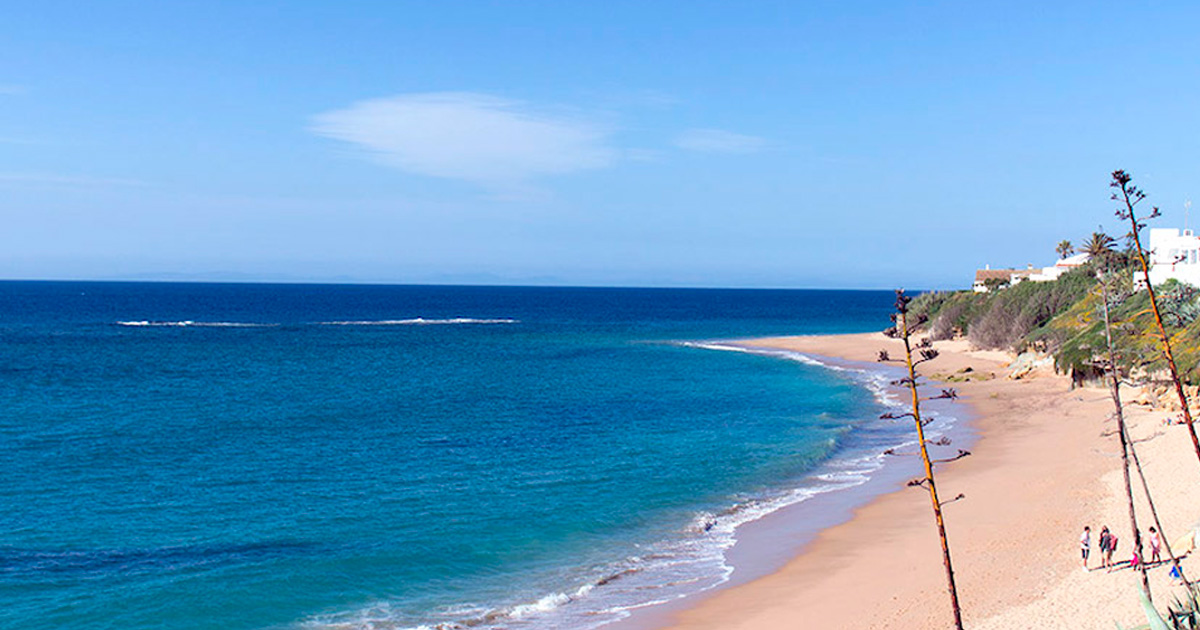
column 1102, row 249
column 1064, row 249
column 1099, row 245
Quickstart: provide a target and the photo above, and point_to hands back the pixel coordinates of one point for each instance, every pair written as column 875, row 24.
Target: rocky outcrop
column 1029, row 364
column 1163, row 396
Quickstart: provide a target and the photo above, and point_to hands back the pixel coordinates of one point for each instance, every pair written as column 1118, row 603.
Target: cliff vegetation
column 1063, row 318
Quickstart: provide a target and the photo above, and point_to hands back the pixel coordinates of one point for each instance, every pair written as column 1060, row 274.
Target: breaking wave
column 189, row 323
column 419, row 321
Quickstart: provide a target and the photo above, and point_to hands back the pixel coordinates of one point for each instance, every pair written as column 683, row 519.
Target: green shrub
column 1063, row 318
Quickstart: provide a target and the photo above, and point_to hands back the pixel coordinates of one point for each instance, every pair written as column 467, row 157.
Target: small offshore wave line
column 193, row 324
column 420, row 321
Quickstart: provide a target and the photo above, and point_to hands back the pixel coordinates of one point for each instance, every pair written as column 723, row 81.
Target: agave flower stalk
column 1129, row 197
column 1137, row 463
column 903, row 331
column 1122, row 432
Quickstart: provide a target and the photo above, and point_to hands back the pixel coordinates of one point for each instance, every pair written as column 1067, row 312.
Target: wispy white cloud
column 10, row 89
column 496, row 143
column 642, row 155
column 66, row 180
column 719, row 141
column 631, row 99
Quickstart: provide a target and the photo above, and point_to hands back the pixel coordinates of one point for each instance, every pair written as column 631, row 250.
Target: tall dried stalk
column 1129, row 197
column 1103, row 254
column 903, row 331
column 1166, row 543
column 1115, row 393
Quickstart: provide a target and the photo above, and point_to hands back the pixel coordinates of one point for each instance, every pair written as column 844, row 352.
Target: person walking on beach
column 1085, row 545
column 1112, row 548
column 1105, row 547
column 1155, row 546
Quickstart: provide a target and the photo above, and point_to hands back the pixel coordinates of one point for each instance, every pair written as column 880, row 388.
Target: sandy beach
column 1046, row 463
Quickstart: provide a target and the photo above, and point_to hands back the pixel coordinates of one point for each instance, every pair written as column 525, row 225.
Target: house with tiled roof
column 987, row 278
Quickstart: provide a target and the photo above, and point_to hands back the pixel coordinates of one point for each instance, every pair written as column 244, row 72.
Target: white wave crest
column 876, row 381
column 189, row 323
column 766, row 352
column 420, row 321
column 545, row 604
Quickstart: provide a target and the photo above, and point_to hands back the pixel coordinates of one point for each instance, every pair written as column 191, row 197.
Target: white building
column 988, row 276
column 1051, row 273
column 1174, row 254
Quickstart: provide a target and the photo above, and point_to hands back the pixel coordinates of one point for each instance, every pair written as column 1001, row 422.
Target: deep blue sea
column 233, row 456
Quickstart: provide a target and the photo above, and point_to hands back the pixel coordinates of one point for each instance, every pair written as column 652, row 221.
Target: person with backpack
column 1105, row 547
column 1112, row 548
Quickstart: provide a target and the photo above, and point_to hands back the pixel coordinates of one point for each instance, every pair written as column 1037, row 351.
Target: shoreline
column 1043, row 466
column 854, row 476
column 757, row 553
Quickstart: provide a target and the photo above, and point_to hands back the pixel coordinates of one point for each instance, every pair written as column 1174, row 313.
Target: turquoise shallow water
column 282, row 456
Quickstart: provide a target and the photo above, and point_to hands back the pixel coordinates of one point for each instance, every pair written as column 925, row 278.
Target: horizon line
column 469, row 284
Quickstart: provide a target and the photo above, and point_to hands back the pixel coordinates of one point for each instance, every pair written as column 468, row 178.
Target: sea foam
column 189, row 323
column 420, row 321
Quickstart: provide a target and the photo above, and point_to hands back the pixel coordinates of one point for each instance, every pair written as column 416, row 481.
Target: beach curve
column 1043, row 467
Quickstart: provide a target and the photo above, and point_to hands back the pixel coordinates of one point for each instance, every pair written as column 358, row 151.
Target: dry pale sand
column 1046, row 464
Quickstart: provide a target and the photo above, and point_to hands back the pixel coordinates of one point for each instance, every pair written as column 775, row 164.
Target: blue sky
column 762, row 144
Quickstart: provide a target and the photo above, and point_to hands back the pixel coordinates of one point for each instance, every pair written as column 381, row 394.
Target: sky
column 707, row 144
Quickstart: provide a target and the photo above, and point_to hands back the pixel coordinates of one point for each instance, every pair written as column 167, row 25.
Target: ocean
column 235, row 456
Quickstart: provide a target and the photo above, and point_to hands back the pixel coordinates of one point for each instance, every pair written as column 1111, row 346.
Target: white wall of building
column 1052, row 273
column 1174, row 254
